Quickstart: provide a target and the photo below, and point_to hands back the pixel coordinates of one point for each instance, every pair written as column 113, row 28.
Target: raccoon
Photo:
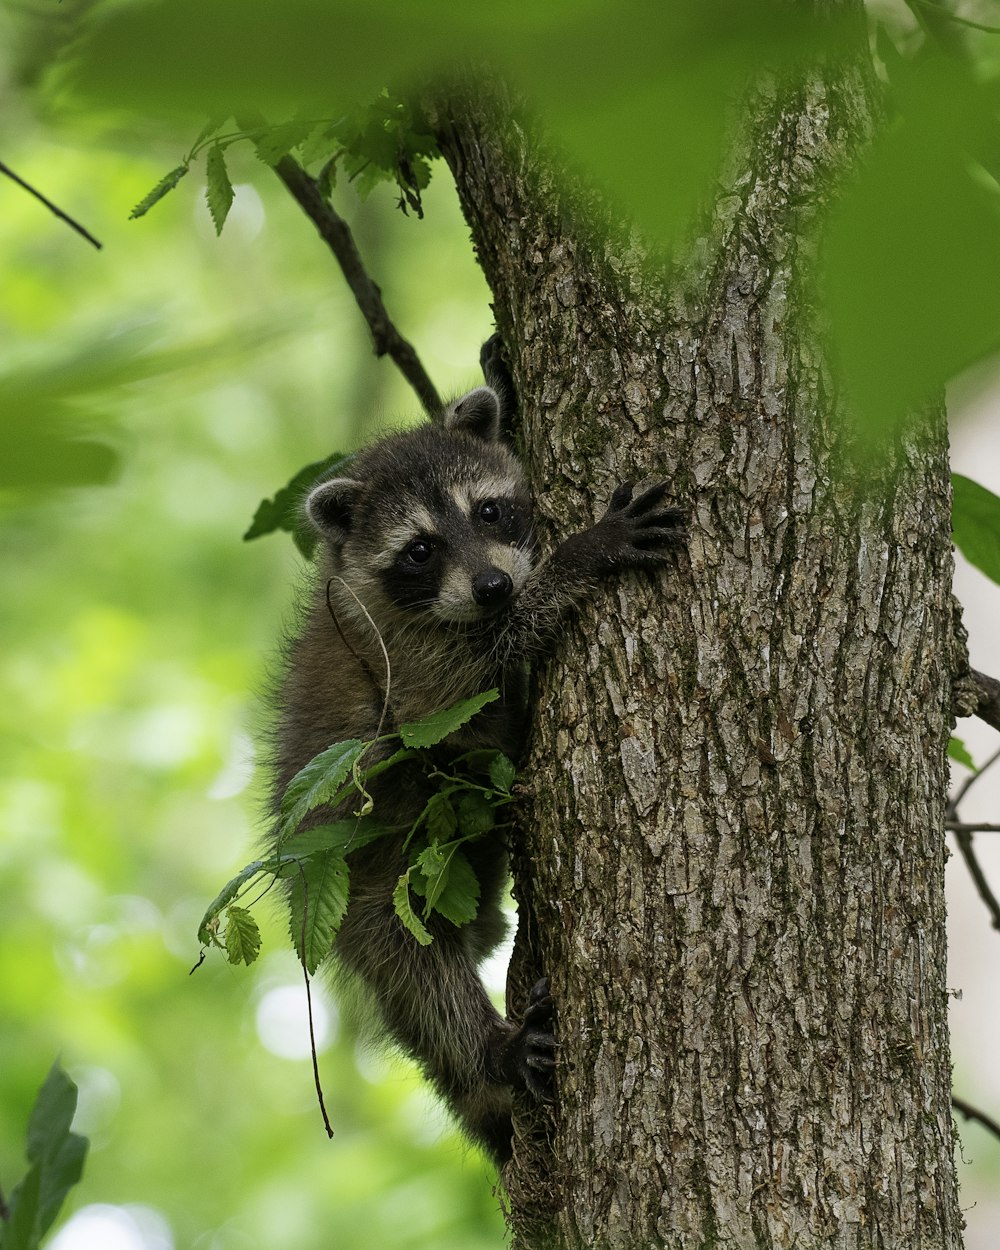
column 427, row 591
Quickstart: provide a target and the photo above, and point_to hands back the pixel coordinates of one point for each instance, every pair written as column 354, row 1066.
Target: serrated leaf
column 502, row 772
column 242, row 936
column 162, row 188
column 342, row 836
column 277, row 141
column 440, row 818
column 404, row 910
column 207, row 928
column 476, row 815
column 218, row 190
column 976, row 525
column 958, row 752
column 318, row 902
column 319, row 144
column 318, row 782
column 284, row 511
column 434, row 728
column 458, row 899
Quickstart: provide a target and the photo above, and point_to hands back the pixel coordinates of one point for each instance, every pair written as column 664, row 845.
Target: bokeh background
column 136, row 634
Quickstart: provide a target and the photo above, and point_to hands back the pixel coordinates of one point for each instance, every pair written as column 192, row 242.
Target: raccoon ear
column 329, row 507
column 477, row 413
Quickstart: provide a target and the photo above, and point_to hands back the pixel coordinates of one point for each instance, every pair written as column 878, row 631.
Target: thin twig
column 336, row 233
column 973, row 1113
column 53, row 208
column 947, row 14
column 957, row 826
column 309, row 1008
column 964, row 840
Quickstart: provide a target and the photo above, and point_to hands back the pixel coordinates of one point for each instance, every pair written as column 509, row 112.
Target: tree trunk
column 732, row 857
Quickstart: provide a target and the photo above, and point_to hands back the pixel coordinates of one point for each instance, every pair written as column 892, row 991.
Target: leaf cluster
column 55, row 1156
column 438, row 879
column 388, row 140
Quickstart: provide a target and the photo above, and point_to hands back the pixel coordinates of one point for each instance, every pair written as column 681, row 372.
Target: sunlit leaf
column 162, row 188
column 318, row 782
column 218, row 190
column 404, row 910
column 317, row 903
column 976, row 524
column 958, row 752
column 242, row 936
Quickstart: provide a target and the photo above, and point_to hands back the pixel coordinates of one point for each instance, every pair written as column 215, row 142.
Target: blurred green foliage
column 152, row 394
column 137, row 627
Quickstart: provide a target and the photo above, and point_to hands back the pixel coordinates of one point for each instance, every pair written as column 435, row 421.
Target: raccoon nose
column 492, row 588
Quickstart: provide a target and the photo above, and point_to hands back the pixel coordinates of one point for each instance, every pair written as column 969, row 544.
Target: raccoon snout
column 492, row 588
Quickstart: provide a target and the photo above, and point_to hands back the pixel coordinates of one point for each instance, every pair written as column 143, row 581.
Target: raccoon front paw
column 637, row 528
column 529, row 1059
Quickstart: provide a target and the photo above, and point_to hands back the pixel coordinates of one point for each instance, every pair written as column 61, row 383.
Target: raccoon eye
column 490, row 511
column 419, row 551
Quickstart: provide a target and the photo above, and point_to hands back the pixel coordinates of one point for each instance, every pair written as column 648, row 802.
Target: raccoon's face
column 462, row 559
column 436, row 523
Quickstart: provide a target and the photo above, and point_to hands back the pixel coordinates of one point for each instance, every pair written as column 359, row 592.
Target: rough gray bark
column 732, row 860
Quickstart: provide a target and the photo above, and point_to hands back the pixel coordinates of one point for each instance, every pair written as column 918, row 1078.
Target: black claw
column 530, row 1060
column 622, row 495
column 648, row 499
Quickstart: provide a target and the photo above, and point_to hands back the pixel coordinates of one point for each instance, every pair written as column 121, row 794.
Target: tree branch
column 53, row 208
column 336, row 233
column 957, row 826
column 964, row 839
column 972, row 1113
column 988, row 693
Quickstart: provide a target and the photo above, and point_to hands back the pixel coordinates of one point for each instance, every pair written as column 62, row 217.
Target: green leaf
column 207, row 928
column 434, row 728
column 976, row 525
column 404, row 910
column 457, row 899
column 277, row 141
column 242, row 936
column 51, row 1115
column 284, row 511
column 219, row 190
column 342, row 836
column 442, row 823
column 318, row 902
column 502, row 772
column 318, row 782
column 59, row 1175
column 476, row 815
column 56, row 1155
column 22, row 1232
column 912, row 246
column 958, row 752
column 165, row 185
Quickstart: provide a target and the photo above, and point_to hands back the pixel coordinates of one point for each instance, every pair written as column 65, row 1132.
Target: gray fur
column 442, row 647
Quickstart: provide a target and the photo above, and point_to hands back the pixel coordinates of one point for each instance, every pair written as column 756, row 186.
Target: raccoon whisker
column 378, row 636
